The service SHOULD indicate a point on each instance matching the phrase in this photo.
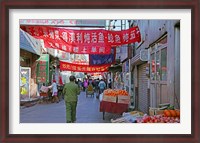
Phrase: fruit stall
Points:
(117, 101)
(159, 115)
(169, 116)
(114, 101)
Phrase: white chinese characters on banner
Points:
(84, 39)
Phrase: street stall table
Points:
(114, 101)
(111, 107)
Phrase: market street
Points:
(87, 112)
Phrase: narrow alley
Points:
(87, 112)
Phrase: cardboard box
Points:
(123, 99)
(152, 111)
(109, 98)
(159, 112)
(155, 111)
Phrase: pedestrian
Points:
(71, 92)
(97, 85)
(54, 88)
(79, 83)
(110, 83)
(85, 84)
(102, 86)
(90, 81)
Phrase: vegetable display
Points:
(168, 116)
(158, 119)
(172, 113)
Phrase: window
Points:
(158, 69)
(157, 66)
(164, 64)
(152, 69)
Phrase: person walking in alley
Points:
(71, 92)
(54, 88)
(110, 83)
(102, 86)
(85, 84)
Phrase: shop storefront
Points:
(29, 53)
(158, 72)
(143, 95)
(155, 66)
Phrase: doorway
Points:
(158, 73)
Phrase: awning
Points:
(26, 45)
(115, 68)
(136, 60)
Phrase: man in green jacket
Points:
(71, 92)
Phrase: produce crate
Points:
(123, 99)
(110, 98)
(155, 111)
(159, 112)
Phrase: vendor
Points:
(54, 91)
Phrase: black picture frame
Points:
(6, 5)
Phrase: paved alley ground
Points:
(87, 112)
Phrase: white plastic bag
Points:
(101, 97)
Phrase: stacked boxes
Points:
(123, 99)
(110, 98)
(116, 96)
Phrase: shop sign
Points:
(82, 59)
(97, 41)
(103, 59)
(63, 55)
(51, 51)
(43, 69)
(66, 66)
(73, 58)
(144, 55)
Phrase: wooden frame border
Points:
(89, 4)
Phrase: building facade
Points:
(155, 65)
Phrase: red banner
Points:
(97, 41)
(65, 66)
(78, 49)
